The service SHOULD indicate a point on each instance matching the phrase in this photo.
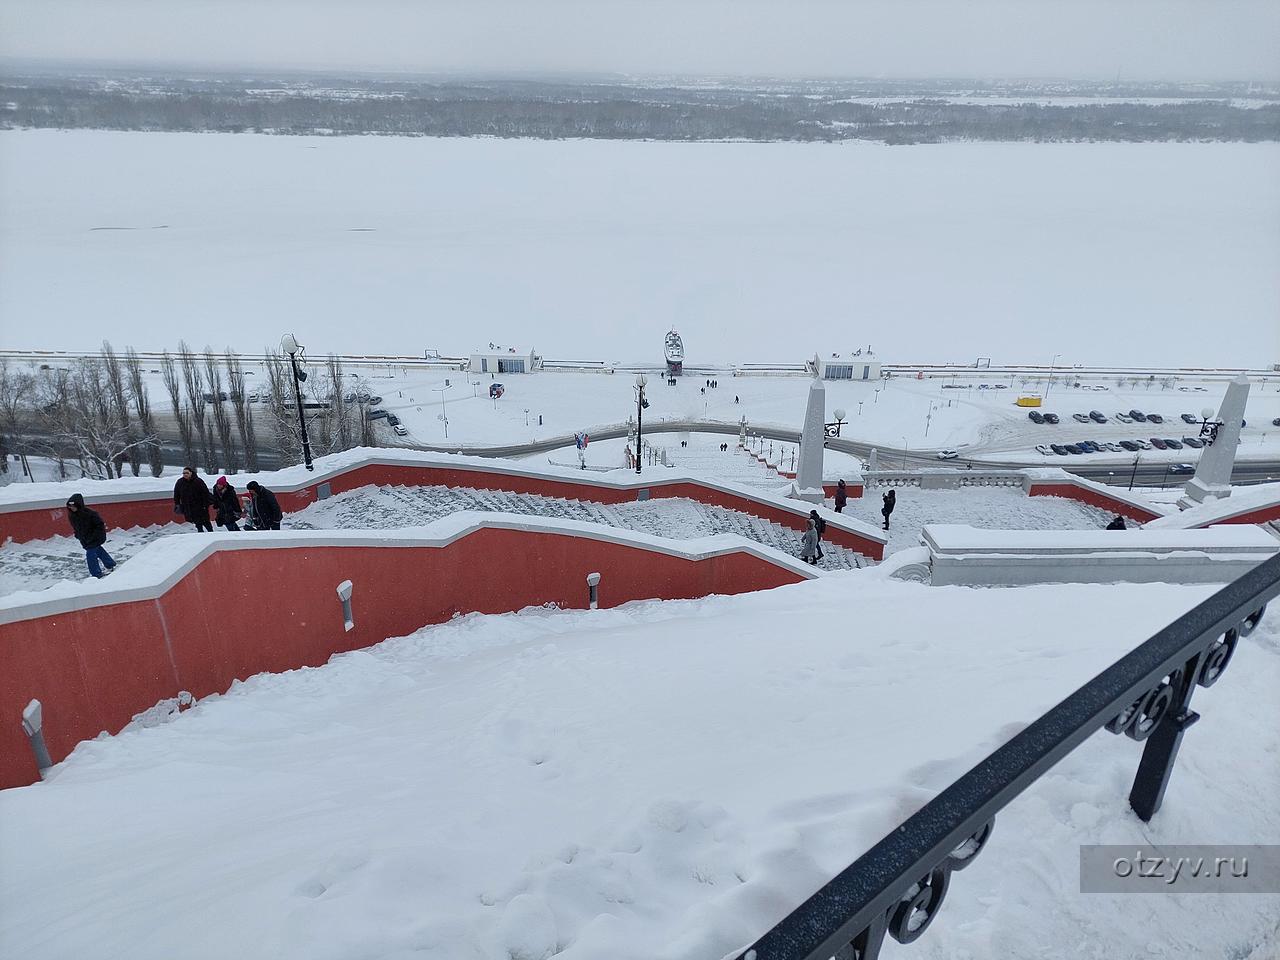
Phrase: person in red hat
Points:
(227, 504)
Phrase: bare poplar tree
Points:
(116, 382)
(17, 392)
(181, 416)
(195, 404)
(243, 412)
(221, 418)
(283, 412)
(81, 416)
(142, 410)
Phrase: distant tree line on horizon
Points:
(615, 111)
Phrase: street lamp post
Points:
(444, 412)
(1048, 386)
(289, 344)
(905, 447)
(840, 415)
(641, 403)
(1133, 476)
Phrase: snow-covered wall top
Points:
(1254, 504)
(1100, 494)
(961, 538)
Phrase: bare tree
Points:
(80, 416)
(116, 383)
(283, 412)
(142, 410)
(17, 393)
(181, 416)
(240, 405)
(221, 419)
(195, 403)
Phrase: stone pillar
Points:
(808, 482)
(742, 431)
(1213, 473)
(873, 461)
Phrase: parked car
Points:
(400, 431)
(1059, 449)
(1182, 468)
(1193, 442)
(1192, 418)
(1035, 416)
(1097, 417)
(1159, 444)
(1113, 447)
(376, 414)
(1142, 445)
(947, 454)
(1043, 449)
(1130, 445)
(1124, 418)
(349, 398)
(1172, 444)
(1138, 415)
(393, 420)
(1079, 418)
(1002, 386)
(374, 401)
(1155, 418)
(1051, 418)
(1072, 448)
(1276, 422)
(254, 398)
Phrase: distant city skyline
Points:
(819, 39)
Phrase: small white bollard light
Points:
(344, 594)
(33, 727)
(593, 594)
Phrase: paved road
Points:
(1118, 473)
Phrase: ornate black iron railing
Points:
(897, 887)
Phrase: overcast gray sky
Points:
(1142, 39)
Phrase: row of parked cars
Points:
(1097, 416)
(1133, 446)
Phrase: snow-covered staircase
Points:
(675, 518)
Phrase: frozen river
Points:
(593, 249)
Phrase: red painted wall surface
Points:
(1092, 497)
(1261, 515)
(94, 669)
(150, 509)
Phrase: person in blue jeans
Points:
(91, 531)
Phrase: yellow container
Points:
(1029, 401)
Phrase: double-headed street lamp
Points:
(1048, 386)
(290, 345)
(641, 404)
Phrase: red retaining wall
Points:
(1094, 498)
(94, 669)
(146, 509)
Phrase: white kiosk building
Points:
(500, 359)
(860, 365)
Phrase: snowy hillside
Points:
(663, 780)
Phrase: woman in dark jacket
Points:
(90, 530)
(842, 496)
(191, 499)
(226, 505)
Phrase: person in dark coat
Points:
(821, 526)
(842, 496)
(890, 501)
(266, 506)
(91, 531)
(226, 505)
(1117, 523)
(191, 499)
